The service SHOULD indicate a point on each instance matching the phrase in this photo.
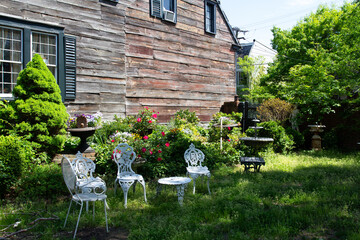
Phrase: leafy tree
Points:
(37, 113)
(254, 69)
(318, 62)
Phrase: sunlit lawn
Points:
(308, 195)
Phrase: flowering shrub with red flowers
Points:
(160, 148)
(145, 122)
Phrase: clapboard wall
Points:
(127, 59)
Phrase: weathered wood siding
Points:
(177, 66)
(127, 59)
(100, 35)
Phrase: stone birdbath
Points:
(316, 139)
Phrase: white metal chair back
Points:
(193, 156)
(124, 156)
(69, 175)
(83, 167)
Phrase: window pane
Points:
(46, 47)
(10, 58)
(169, 5)
(35, 38)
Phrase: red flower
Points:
(150, 152)
(159, 159)
(146, 137)
(154, 115)
(167, 144)
(146, 108)
(139, 156)
(112, 140)
(229, 128)
(229, 140)
(150, 121)
(139, 119)
(162, 133)
(159, 151)
(143, 150)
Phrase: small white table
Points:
(179, 182)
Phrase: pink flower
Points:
(139, 119)
(150, 121)
(159, 151)
(146, 108)
(154, 115)
(229, 128)
(159, 159)
(143, 150)
(150, 152)
(146, 137)
(162, 133)
(112, 140)
(167, 144)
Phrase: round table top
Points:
(174, 180)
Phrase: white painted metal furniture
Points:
(77, 196)
(179, 182)
(84, 169)
(194, 158)
(124, 156)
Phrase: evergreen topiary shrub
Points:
(38, 111)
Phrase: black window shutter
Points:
(70, 67)
(156, 8)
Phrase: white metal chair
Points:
(84, 169)
(77, 196)
(124, 156)
(194, 158)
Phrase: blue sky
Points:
(259, 16)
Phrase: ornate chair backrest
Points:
(83, 167)
(193, 156)
(124, 156)
(69, 175)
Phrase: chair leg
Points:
(77, 224)
(194, 180)
(125, 187)
(208, 184)
(67, 213)
(142, 182)
(105, 204)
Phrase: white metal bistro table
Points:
(179, 182)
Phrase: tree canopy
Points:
(318, 62)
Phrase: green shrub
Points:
(38, 113)
(298, 137)
(283, 142)
(42, 182)
(13, 158)
(182, 117)
(274, 109)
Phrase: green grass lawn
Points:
(307, 195)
